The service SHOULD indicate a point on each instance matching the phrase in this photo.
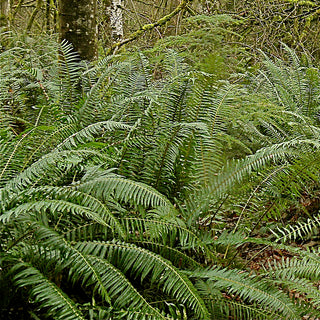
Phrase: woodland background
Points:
(171, 173)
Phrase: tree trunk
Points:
(116, 20)
(78, 26)
(4, 13)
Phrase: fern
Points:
(47, 293)
(143, 263)
(249, 288)
(125, 193)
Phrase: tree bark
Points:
(78, 25)
(116, 20)
(4, 13)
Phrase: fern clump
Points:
(117, 208)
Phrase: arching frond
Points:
(251, 289)
(46, 293)
(125, 190)
(88, 134)
(144, 263)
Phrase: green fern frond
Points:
(251, 289)
(88, 134)
(48, 294)
(222, 306)
(54, 164)
(298, 231)
(178, 258)
(121, 291)
(125, 190)
(307, 267)
(66, 201)
(143, 263)
(167, 233)
(66, 77)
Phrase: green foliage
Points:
(200, 44)
(114, 199)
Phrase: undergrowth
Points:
(127, 193)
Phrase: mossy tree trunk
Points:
(78, 25)
(4, 13)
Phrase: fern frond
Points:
(178, 258)
(166, 232)
(48, 294)
(66, 78)
(298, 231)
(143, 263)
(222, 306)
(53, 164)
(88, 134)
(125, 190)
(250, 289)
(122, 292)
